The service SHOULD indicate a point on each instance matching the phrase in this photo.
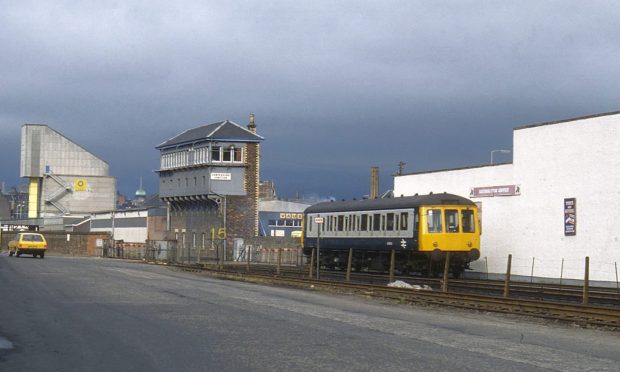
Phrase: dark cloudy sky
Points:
(336, 86)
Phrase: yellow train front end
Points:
(450, 228)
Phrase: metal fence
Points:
(254, 250)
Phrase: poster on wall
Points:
(570, 216)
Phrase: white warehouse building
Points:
(557, 203)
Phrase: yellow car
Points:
(29, 243)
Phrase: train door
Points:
(432, 234)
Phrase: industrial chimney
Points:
(374, 182)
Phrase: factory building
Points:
(556, 203)
(209, 178)
(281, 218)
(66, 182)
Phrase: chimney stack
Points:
(252, 125)
(374, 182)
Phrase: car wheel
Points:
(18, 253)
(11, 253)
(42, 254)
(34, 255)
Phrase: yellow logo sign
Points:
(80, 185)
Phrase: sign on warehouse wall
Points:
(570, 216)
(80, 185)
(487, 191)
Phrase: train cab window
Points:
(433, 219)
(389, 222)
(452, 220)
(364, 222)
(403, 221)
(467, 218)
(376, 222)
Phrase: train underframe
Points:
(405, 262)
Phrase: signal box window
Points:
(238, 158)
(215, 154)
(228, 154)
(433, 218)
(467, 216)
(452, 220)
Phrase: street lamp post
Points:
(500, 151)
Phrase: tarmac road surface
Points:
(88, 314)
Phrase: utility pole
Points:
(401, 166)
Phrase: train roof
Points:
(402, 202)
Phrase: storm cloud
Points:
(336, 87)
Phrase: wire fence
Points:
(268, 250)
(561, 271)
(253, 250)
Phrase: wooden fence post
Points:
(507, 280)
(586, 282)
(446, 268)
(348, 278)
(311, 266)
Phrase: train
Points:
(420, 229)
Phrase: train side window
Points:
(364, 222)
(403, 220)
(389, 222)
(376, 221)
(433, 219)
(340, 223)
(467, 218)
(452, 220)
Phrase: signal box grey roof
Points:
(221, 131)
(389, 203)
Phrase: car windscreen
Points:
(32, 238)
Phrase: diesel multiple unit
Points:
(420, 229)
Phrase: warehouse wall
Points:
(574, 159)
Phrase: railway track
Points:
(582, 315)
(603, 296)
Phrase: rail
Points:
(580, 314)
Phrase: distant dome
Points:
(140, 192)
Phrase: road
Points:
(88, 314)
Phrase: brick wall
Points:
(79, 244)
(242, 211)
